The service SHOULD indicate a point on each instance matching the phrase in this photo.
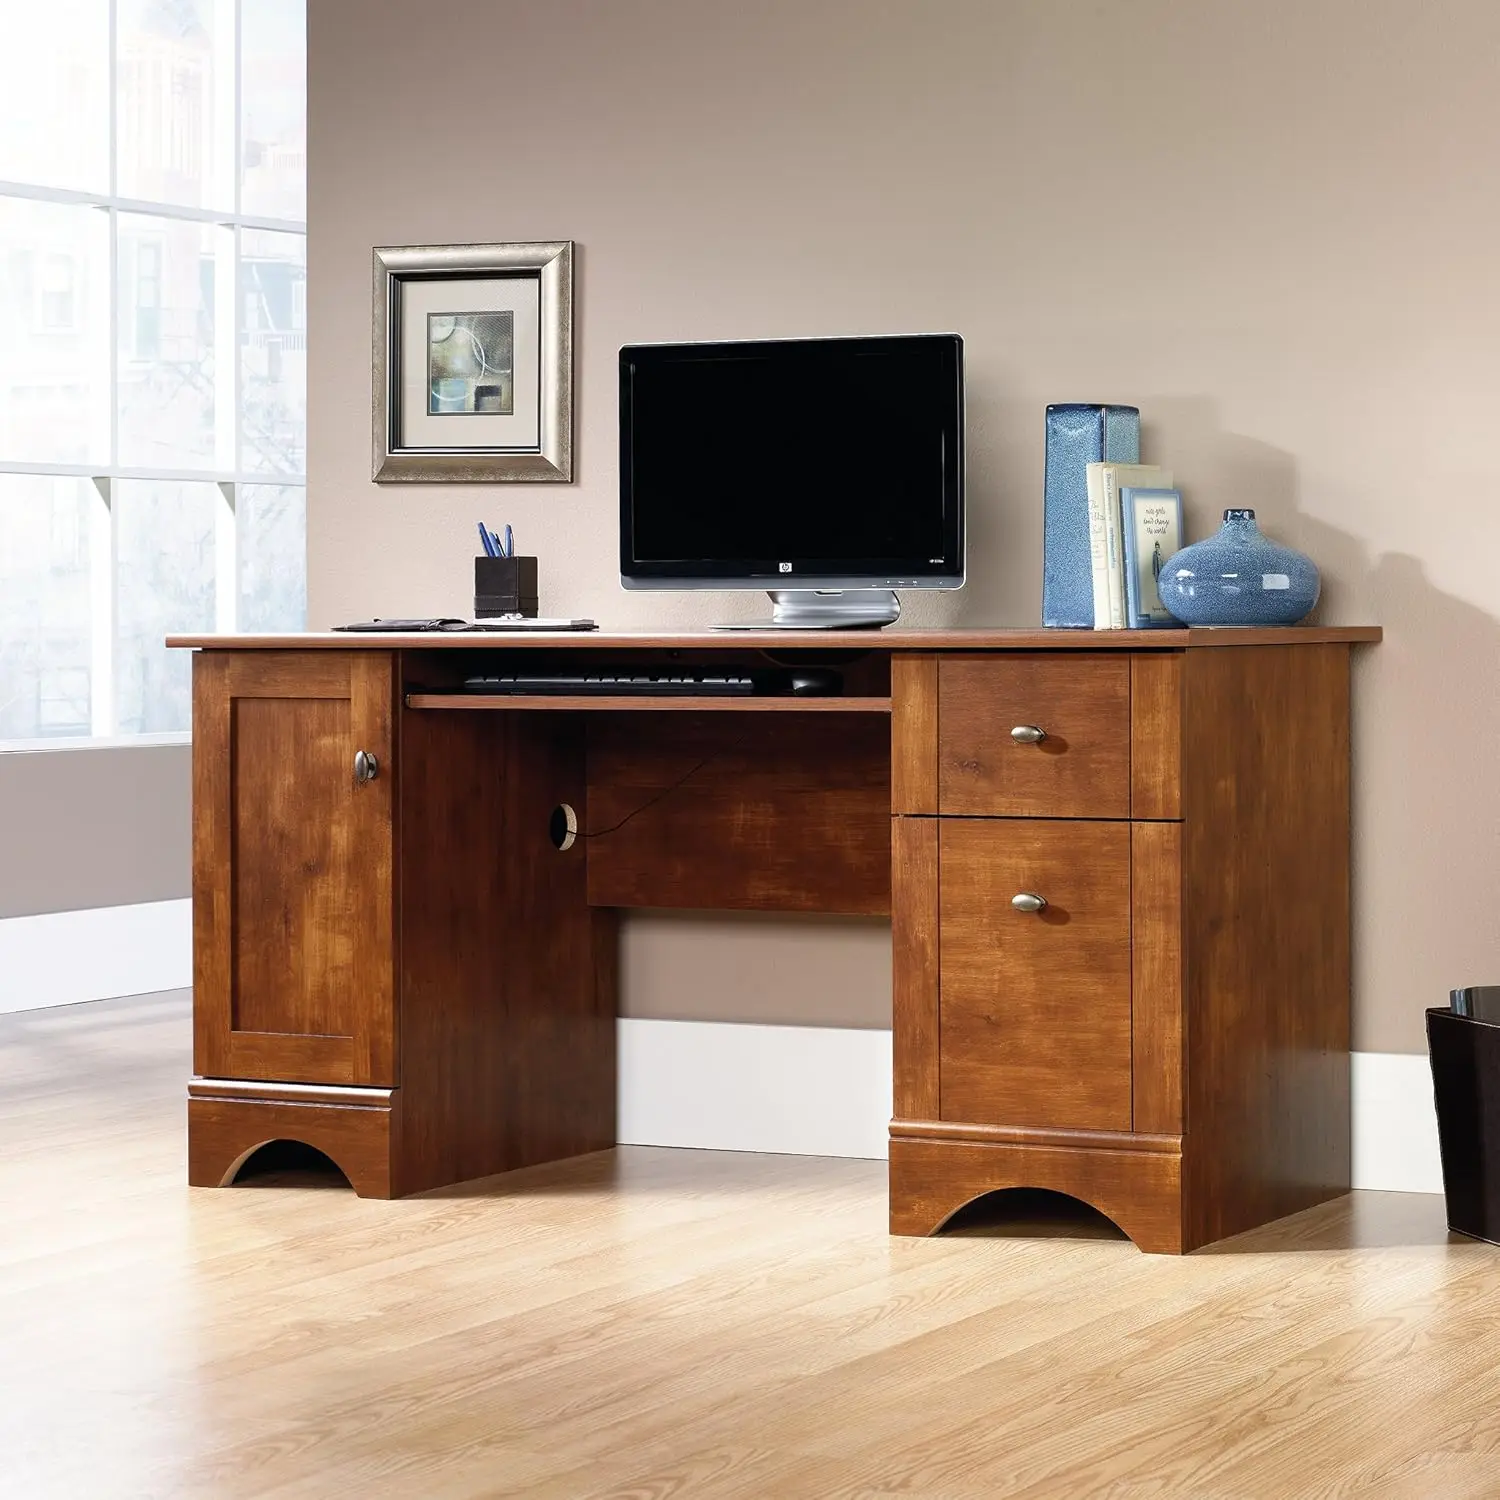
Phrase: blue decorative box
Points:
(1077, 436)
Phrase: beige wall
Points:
(94, 826)
(778, 969)
(1271, 224)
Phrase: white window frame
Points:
(229, 331)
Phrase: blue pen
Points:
(484, 537)
(510, 542)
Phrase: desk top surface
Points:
(890, 639)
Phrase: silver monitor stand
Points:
(826, 609)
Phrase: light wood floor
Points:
(653, 1324)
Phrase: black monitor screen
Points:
(837, 456)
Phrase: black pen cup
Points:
(505, 586)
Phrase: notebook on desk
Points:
(447, 623)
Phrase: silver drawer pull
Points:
(1028, 734)
(366, 767)
(1028, 901)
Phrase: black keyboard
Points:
(661, 682)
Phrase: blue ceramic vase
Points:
(1238, 577)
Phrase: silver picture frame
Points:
(398, 270)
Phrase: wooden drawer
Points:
(1035, 1007)
(1081, 703)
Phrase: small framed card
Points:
(1153, 532)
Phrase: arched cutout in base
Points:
(284, 1162)
(223, 1142)
(1139, 1188)
(1032, 1214)
(226, 1130)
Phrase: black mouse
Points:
(816, 682)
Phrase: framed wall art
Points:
(473, 362)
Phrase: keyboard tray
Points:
(660, 682)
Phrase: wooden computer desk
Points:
(395, 964)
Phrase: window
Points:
(148, 300)
(58, 294)
(153, 350)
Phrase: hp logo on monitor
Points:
(785, 567)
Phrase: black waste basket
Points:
(1466, 1086)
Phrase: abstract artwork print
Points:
(471, 362)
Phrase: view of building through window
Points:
(153, 349)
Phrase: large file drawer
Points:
(1035, 1019)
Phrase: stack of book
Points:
(1135, 525)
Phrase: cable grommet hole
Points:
(562, 826)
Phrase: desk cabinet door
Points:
(293, 908)
(1035, 1020)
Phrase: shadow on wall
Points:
(1426, 731)
(1003, 437)
(1217, 470)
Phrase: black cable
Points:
(666, 791)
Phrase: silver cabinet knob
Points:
(1028, 901)
(1028, 734)
(366, 766)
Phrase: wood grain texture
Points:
(931, 638)
(223, 1133)
(560, 703)
(1156, 987)
(1266, 919)
(1140, 1191)
(286, 674)
(296, 867)
(293, 867)
(914, 966)
(1156, 735)
(1081, 769)
(287, 1057)
(1035, 1008)
(1024, 1135)
(289, 1093)
(719, 813)
(914, 733)
(374, 684)
(692, 1324)
(507, 1017)
(213, 867)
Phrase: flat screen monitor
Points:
(794, 465)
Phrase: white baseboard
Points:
(797, 1090)
(816, 1091)
(1395, 1123)
(793, 1090)
(67, 957)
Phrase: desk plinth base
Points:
(934, 1175)
(358, 1130)
(1166, 1195)
(364, 1132)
